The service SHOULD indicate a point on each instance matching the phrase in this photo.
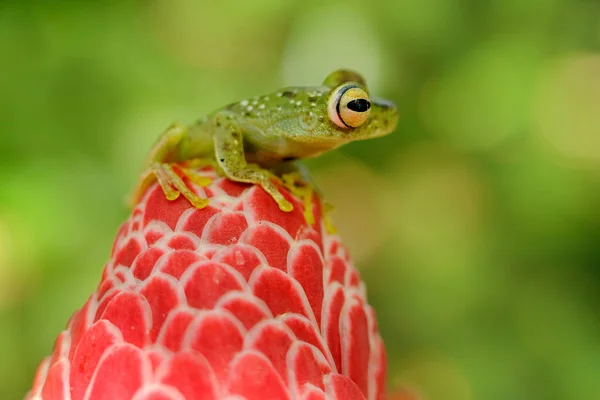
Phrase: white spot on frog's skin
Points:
(261, 106)
(249, 108)
(298, 103)
(266, 98)
(313, 104)
(279, 94)
(292, 101)
(254, 102)
(244, 103)
(308, 121)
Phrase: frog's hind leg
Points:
(164, 151)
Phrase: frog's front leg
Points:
(160, 168)
(229, 131)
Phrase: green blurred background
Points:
(476, 225)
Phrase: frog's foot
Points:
(258, 176)
(171, 183)
(297, 184)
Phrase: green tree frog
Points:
(247, 140)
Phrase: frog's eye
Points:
(349, 106)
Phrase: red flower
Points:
(238, 300)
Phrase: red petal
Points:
(155, 231)
(306, 266)
(57, 382)
(337, 270)
(206, 282)
(305, 331)
(355, 343)
(225, 228)
(311, 234)
(307, 365)
(253, 377)
(177, 262)
(157, 355)
(107, 284)
(92, 346)
(246, 308)
(62, 345)
(191, 375)
(121, 234)
(163, 294)
(234, 189)
(379, 371)
(272, 339)
(79, 323)
(126, 254)
(180, 241)
(158, 392)
(161, 209)
(130, 313)
(242, 257)
(40, 378)
(104, 302)
(174, 329)
(340, 387)
(332, 308)
(281, 293)
(195, 220)
(312, 393)
(261, 207)
(272, 241)
(352, 278)
(122, 274)
(217, 336)
(120, 373)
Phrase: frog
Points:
(253, 140)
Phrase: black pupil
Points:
(359, 105)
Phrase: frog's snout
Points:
(385, 117)
(387, 109)
(385, 105)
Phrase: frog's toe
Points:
(197, 201)
(172, 185)
(285, 205)
(197, 178)
(272, 190)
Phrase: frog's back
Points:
(268, 110)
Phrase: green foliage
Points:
(481, 211)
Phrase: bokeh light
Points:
(565, 112)
(476, 225)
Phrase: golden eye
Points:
(349, 106)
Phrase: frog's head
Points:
(337, 112)
(352, 112)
